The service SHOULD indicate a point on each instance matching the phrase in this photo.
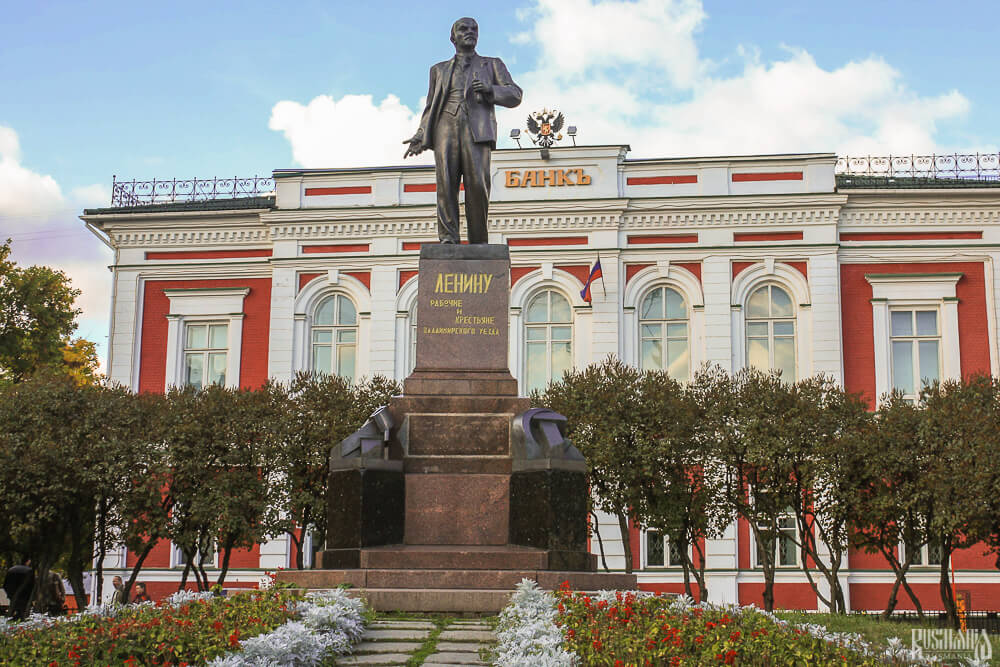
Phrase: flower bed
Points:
(635, 629)
(186, 629)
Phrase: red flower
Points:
(235, 637)
(734, 636)
(217, 626)
(597, 645)
(730, 656)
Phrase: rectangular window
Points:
(786, 550)
(205, 353)
(915, 345)
(661, 552)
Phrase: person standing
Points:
(119, 597)
(459, 124)
(140, 593)
(18, 584)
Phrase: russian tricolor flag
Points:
(595, 273)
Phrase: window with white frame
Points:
(663, 333)
(929, 554)
(915, 350)
(411, 360)
(548, 339)
(786, 550)
(206, 346)
(178, 559)
(661, 551)
(335, 336)
(770, 330)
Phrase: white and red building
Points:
(774, 260)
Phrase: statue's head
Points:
(465, 33)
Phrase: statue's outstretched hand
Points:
(416, 146)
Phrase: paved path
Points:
(453, 641)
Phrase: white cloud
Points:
(349, 132)
(630, 71)
(43, 224)
(792, 104)
(22, 191)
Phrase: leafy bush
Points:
(329, 623)
(636, 629)
(180, 630)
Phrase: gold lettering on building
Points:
(539, 178)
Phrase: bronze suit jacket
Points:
(482, 120)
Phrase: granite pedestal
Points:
(456, 513)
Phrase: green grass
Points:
(875, 631)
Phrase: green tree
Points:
(960, 425)
(325, 409)
(894, 503)
(744, 418)
(37, 317)
(80, 362)
(827, 456)
(684, 500)
(603, 404)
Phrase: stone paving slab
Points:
(396, 634)
(387, 647)
(445, 658)
(466, 635)
(402, 625)
(462, 647)
(374, 659)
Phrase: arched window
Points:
(548, 339)
(663, 333)
(335, 336)
(411, 329)
(770, 321)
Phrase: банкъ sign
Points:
(537, 178)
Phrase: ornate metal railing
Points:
(969, 166)
(141, 193)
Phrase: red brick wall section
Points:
(208, 254)
(801, 267)
(859, 346)
(156, 306)
(579, 271)
(908, 236)
(158, 557)
(745, 237)
(364, 276)
(786, 595)
(336, 247)
(632, 269)
(874, 596)
(404, 276)
(546, 241)
(518, 272)
(740, 266)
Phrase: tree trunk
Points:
(184, 576)
(102, 551)
(947, 594)
(699, 574)
(297, 545)
(135, 570)
(626, 541)
(600, 542)
(225, 566)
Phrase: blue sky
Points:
(185, 89)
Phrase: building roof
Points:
(231, 203)
(909, 182)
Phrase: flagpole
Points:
(603, 291)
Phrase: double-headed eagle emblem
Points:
(544, 127)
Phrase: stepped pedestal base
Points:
(454, 579)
